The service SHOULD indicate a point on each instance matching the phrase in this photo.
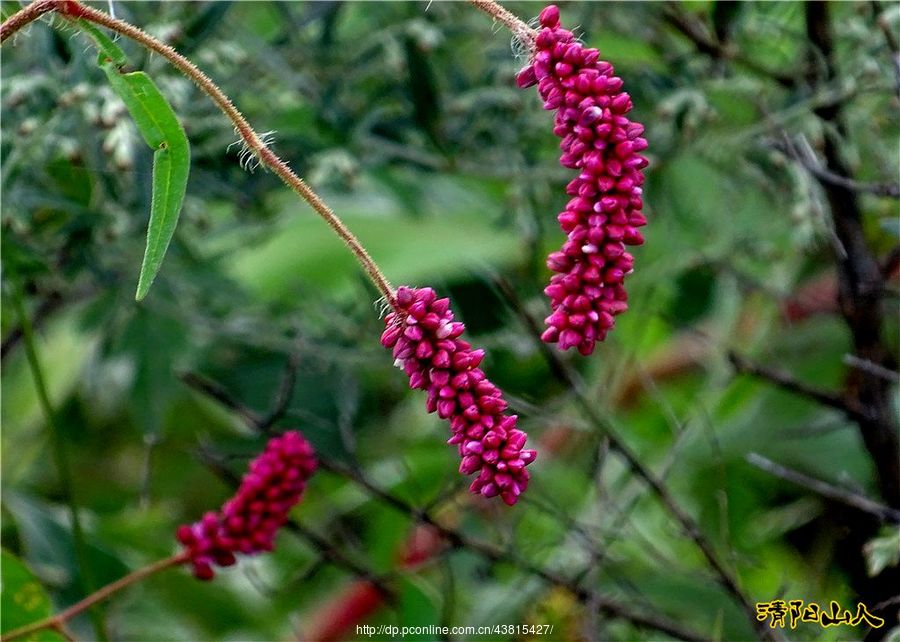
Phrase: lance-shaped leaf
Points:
(160, 128)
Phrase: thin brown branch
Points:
(26, 16)
(887, 374)
(509, 20)
(860, 281)
(803, 155)
(57, 621)
(495, 554)
(890, 38)
(51, 303)
(283, 396)
(823, 488)
(694, 30)
(216, 391)
(788, 382)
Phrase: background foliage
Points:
(405, 118)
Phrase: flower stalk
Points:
(58, 621)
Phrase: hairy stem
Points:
(57, 621)
(509, 20)
(60, 456)
(251, 138)
(26, 16)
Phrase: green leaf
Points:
(23, 599)
(109, 50)
(882, 552)
(158, 124)
(48, 547)
(416, 608)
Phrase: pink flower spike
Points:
(249, 521)
(599, 141)
(438, 360)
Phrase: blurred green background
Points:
(405, 117)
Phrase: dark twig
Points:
(860, 282)
(787, 382)
(872, 368)
(50, 304)
(803, 155)
(45, 308)
(725, 576)
(216, 391)
(891, 39)
(823, 488)
(695, 31)
(283, 396)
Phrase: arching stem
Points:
(57, 621)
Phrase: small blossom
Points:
(604, 214)
(248, 522)
(427, 344)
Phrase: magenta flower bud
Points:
(549, 16)
(590, 116)
(470, 464)
(526, 77)
(445, 408)
(390, 335)
(563, 69)
(633, 237)
(248, 522)
(438, 360)
(545, 40)
(621, 103)
(490, 490)
(404, 296)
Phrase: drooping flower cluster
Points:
(426, 343)
(604, 213)
(249, 520)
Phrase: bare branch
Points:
(283, 396)
(216, 391)
(891, 39)
(823, 488)
(860, 281)
(804, 155)
(787, 382)
(694, 30)
(872, 368)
